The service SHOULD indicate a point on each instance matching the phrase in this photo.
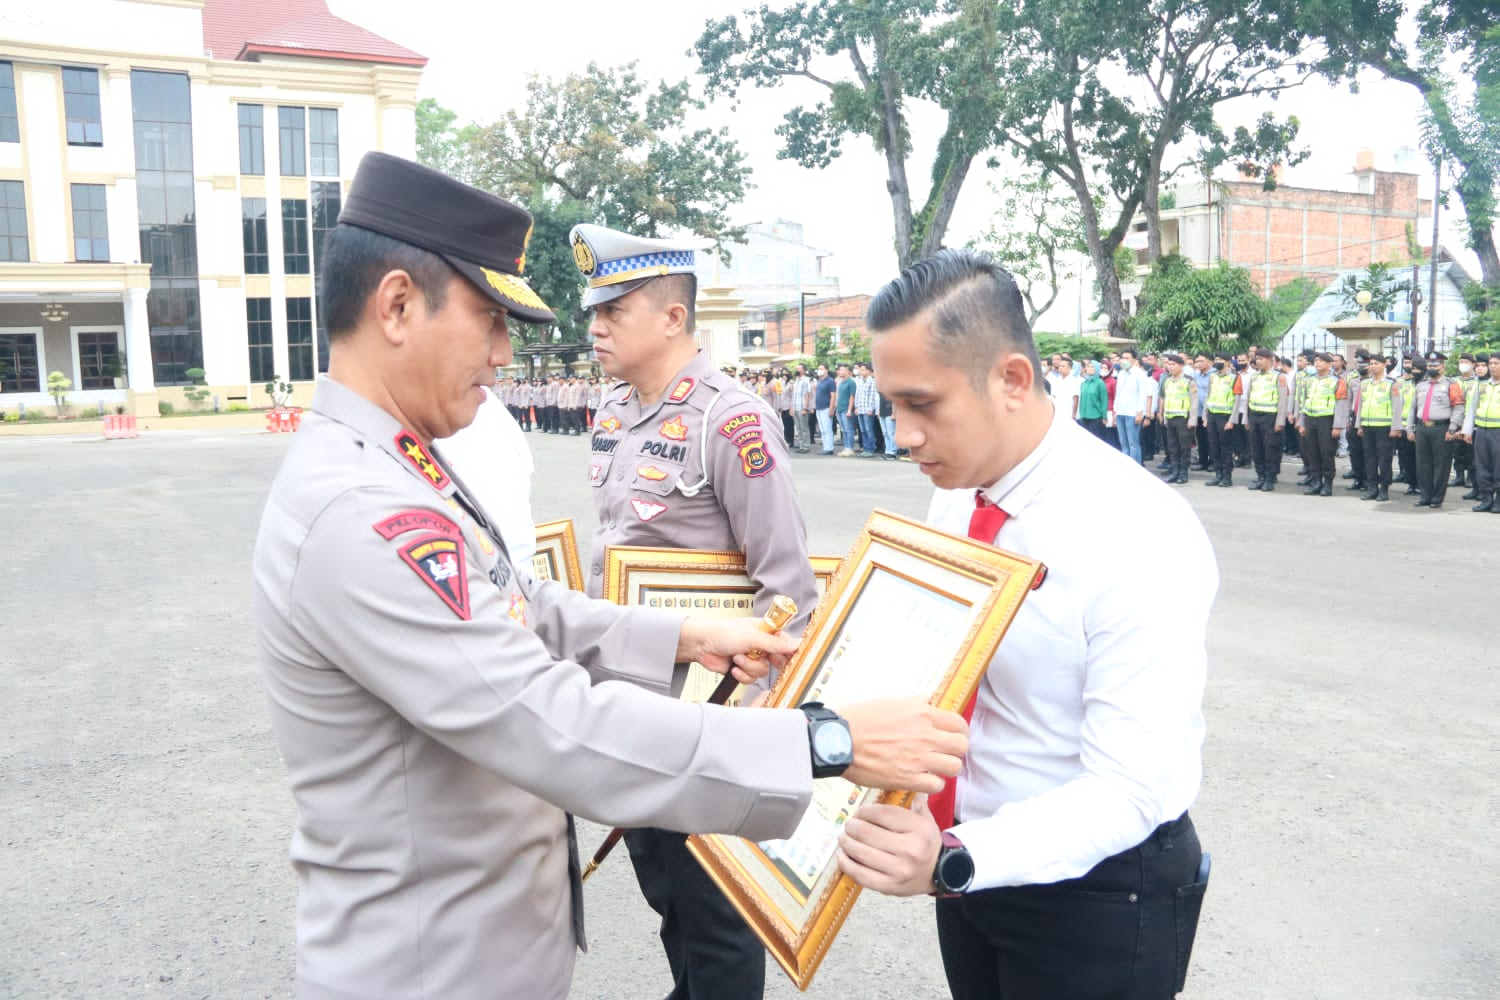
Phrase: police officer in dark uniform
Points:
(683, 456)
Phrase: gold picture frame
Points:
(913, 611)
(556, 555)
(698, 582)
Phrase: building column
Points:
(138, 368)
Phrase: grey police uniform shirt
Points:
(437, 715)
(1442, 410)
(705, 467)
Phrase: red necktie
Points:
(984, 525)
(1427, 406)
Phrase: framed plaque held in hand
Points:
(913, 612)
(696, 582)
(556, 555)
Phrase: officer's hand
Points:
(1468, 438)
(890, 849)
(1411, 435)
(1359, 432)
(720, 644)
(1229, 425)
(904, 744)
(1278, 428)
(1395, 434)
(1336, 433)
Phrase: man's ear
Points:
(677, 318)
(391, 305)
(1012, 377)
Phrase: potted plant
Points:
(280, 391)
(197, 392)
(115, 370)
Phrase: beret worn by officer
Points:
(617, 263)
(482, 237)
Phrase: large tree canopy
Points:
(600, 146)
(1190, 309)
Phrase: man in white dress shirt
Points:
(1072, 869)
(492, 458)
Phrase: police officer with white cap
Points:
(684, 457)
(436, 711)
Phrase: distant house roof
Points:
(1329, 306)
(241, 30)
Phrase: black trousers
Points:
(1356, 457)
(1200, 435)
(1220, 448)
(1434, 460)
(1319, 449)
(1095, 426)
(1290, 440)
(1406, 455)
(1123, 931)
(712, 951)
(1463, 458)
(1379, 446)
(1487, 458)
(1239, 439)
(1265, 444)
(1179, 442)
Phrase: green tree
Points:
(1286, 304)
(58, 385)
(1385, 286)
(439, 144)
(1104, 96)
(1077, 348)
(843, 348)
(869, 61)
(1482, 332)
(1462, 126)
(1035, 234)
(603, 146)
(1188, 309)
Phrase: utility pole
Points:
(1437, 194)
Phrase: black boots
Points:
(1384, 494)
(1489, 505)
(1327, 490)
(1259, 482)
(1314, 487)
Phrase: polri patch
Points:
(421, 459)
(646, 510)
(682, 390)
(674, 429)
(415, 520)
(439, 561)
(738, 423)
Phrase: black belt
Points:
(1168, 830)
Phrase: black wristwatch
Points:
(954, 871)
(829, 740)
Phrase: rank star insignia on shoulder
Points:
(421, 459)
(682, 390)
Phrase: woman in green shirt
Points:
(1093, 401)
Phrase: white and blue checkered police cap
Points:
(616, 263)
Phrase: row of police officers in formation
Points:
(1385, 409)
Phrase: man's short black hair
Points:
(1130, 351)
(355, 261)
(679, 288)
(973, 306)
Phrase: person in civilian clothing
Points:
(1202, 370)
(1093, 401)
(1135, 400)
(844, 408)
(866, 406)
(1087, 732)
(825, 392)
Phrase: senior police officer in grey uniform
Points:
(436, 712)
(683, 456)
(1434, 418)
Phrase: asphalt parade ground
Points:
(1351, 796)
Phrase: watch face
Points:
(832, 743)
(955, 870)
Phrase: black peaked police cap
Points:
(482, 237)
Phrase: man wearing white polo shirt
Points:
(1070, 868)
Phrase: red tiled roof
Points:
(243, 29)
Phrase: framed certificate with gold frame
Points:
(913, 612)
(556, 555)
(698, 582)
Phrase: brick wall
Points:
(781, 329)
(1290, 232)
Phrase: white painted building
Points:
(167, 169)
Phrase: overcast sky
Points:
(481, 55)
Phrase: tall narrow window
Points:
(10, 123)
(162, 108)
(90, 223)
(293, 136)
(81, 105)
(98, 354)
(294, 256)
(13, 242)
(258, 323)
(252, 139)
(253, 221)
(299, 339)
(323, 142)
